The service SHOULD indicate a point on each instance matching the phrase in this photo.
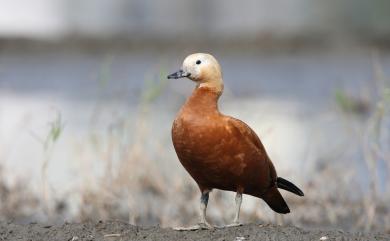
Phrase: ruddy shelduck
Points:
(219, 151)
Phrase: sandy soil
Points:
(116, 230)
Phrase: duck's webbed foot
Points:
(234, 224)
(203, 224)
(199, 226)
(237, 216)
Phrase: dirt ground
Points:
(116, 230)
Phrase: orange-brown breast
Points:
(219, 151)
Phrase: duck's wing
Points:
(250, 136)
(247, 132)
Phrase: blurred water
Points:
(289, 99)
(301, 76)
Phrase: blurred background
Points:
(86, 110)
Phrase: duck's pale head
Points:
(202, 68)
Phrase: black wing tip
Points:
(280, 209)
(284, 211)
(288, 186)
(275, 201)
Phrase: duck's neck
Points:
(204, 99)
(216, 85)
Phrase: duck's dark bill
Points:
(179, 74)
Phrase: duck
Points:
(219, 151)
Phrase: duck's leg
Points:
(204, 200)
(238, 207)
(203, 224)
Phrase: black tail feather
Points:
(288, 186)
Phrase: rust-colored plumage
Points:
(219, 151)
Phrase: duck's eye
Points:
(198, 62)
